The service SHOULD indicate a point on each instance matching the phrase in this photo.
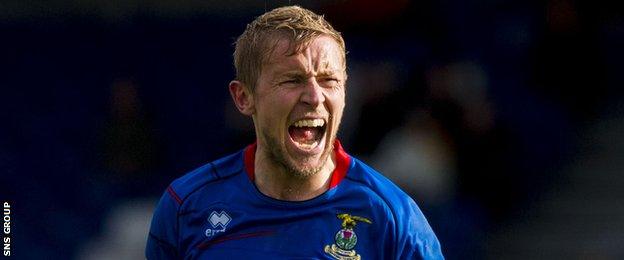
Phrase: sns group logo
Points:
(218, 221)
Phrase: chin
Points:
(295, 161)
(305, 169)
(306, 166)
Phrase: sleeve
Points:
(163, 235)
(416, 239)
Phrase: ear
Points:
(243, 99)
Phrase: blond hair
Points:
(298, 25)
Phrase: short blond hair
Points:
(298, 25)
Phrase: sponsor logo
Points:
(346, 239)
(218, 221)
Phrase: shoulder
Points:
(401, 206)
(212, 172)
(395, 198)
(413, 234)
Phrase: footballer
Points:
(295, 193)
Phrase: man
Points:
(295, 193)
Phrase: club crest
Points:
(346, 239)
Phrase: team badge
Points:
(345, 239)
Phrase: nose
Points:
(313, 93)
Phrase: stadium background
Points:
(503, 119)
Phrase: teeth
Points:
(307, 146)
(310, 123)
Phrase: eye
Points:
(330, 82)
(291, 81)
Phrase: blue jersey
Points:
(216, 212)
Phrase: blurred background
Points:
(503, 119)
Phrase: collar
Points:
(343, 160)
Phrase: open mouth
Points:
(307, 133)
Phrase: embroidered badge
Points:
(345, 239)
(218, 221)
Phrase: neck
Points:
(273, 180)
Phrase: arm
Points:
(416, 239)
(163, 235)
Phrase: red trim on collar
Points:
(343, 160)
(250, 160)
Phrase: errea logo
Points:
(218, 221)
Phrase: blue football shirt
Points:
(216, 212)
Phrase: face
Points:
(298, 104)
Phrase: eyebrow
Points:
(297, 73)
(292, 74)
